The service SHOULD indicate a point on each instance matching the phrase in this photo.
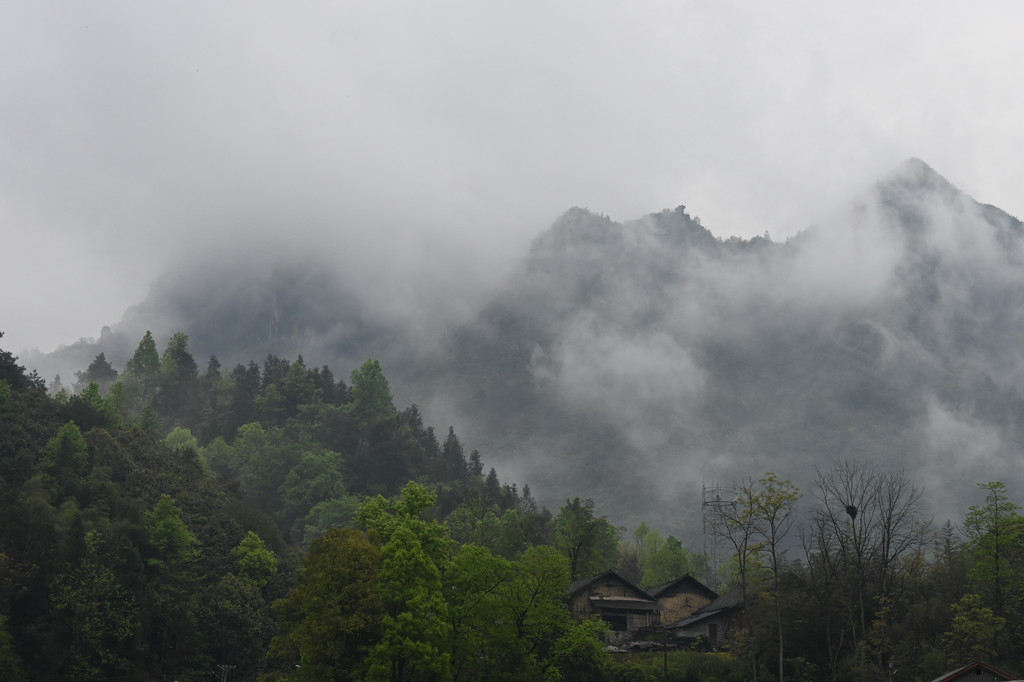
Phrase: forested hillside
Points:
(276, 522)
(154, 514)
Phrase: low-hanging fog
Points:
(646, 358)
(412, 143)
(348, 180)
(634, 362)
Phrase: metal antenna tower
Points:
(716, 505)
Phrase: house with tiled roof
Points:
(713, 622)
(681, 597)
(620, 603)
(976, 671)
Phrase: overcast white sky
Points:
(134, 135)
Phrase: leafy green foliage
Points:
(102, 617)
(66, 461)
(99, 372)
(974, 631)
(415, 628)
(371, 394)
(181, 439)
(589, 542)
(332, 618)
(159, 497)
(175, 545)
(995, 531)
(256, 563)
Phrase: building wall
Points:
(712, 630)
(607, 587)
(581, 607)
(680, 605)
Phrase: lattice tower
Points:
(717, 502)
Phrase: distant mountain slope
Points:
(242, 310)
(635, 361)
(630, 362)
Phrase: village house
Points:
(681, 597)
(624, 606)
(711, 623)
(976, 671)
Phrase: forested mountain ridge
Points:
(158, 510)
(273, 522)
(652, 355)
(151, 524)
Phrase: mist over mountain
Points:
(245, 305)
(633, 361)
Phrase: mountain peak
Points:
(916, 176)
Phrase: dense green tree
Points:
(271, 407)
(214, 410)
(453, 459)
(504, 534)
(177, 397)
(381, 462)
(589, 542)
(145, 362)
(274, 371)
(415, 628)
(371, 394)
(536, 604)
(579, 653)
(297, 387)
(219, 455)
(994, 530)
(175, 545)
(172, 601)
(336, 512)
(13, 374)
(238, 625)
(99, 372)
(102, 618)
(476, 465)
(263, 457)
(315, 480)
(66, 462)
(256, 563)
(331, 619)
(181, 439)
(408, 511)
(331, 392)
(669, 559)
(415, 554)
(246, 388)
(191, 565)
(476, 585)
(974, 631)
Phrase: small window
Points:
(618, 622)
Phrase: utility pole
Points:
(225, 671)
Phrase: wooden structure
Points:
(712, 623)
(615, 600)
(681, 597)
(976, 671)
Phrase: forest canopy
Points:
(274, 521)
